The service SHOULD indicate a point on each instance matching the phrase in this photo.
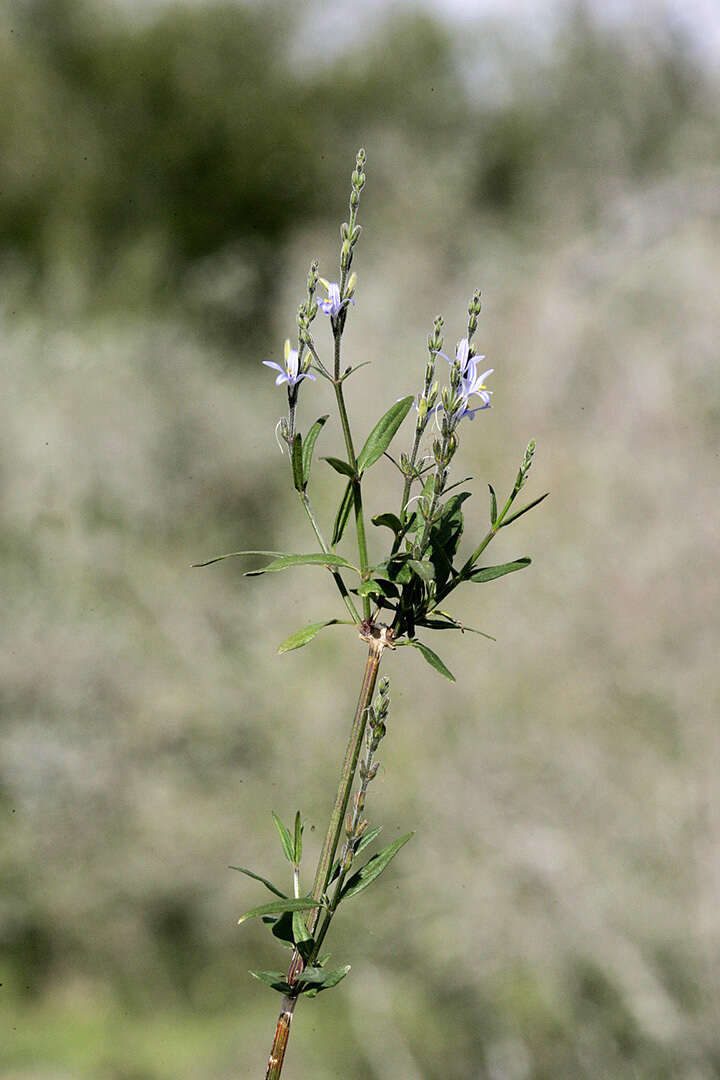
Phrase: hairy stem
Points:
(377, 640)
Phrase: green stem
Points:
(347, 775)
(342, 588)
(352, 461)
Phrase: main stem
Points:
(377, 640)
(352, 461)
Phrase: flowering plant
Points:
(389, 601)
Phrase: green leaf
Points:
(371, 588)
(285, 839)
(452, 624)
(390, 521)
(302, 637)
(296, 457)
(268, 884)
(320, 979)
(317, 558)
(309, 446)
(367, 838)
(340, 466)
(299, 929)
(373, 868)
(432, 658)
(423, 569)
(394, 569)
(282, 927)
(276, 979)
(277, 907)
(519, 513)
(234, 555)
(298, 837)
(383, 434)
(445, 536)
(489, 573)
(341, 518)
(493, 505)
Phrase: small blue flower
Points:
(289, 374)
(334, 305)
(463, 358)
(474, 384)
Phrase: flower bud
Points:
(350, 287)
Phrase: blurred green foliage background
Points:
(166, 175)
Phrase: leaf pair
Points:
(311, 981)
(291, 845)
(302, 452)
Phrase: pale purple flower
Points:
(334, 305)
(474, 384)
(289, 374)
(471, 384)
(463, 357)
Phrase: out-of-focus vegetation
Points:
(165, 178)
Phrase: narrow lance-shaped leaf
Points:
(432, 658)
(340, 466)
(275, 979)
(519, 513)
(320, 979)
(268, 884)
(277, 907)
(300, 930)
(383, 433)
(448, 623)
(306, 635)
(234, 555)
(316, 558)
(285, 839)
(367, 838)
(298, 838)
(341, 518)
(489, 573)
(297, 463)
(373, 868)
(309, 446)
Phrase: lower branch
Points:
(378, 638)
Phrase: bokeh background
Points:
(166, 174)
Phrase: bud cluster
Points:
(428, 398)
(306, 313)
(350, 230)
(525, 466)
(474, 309)
(356, 824)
